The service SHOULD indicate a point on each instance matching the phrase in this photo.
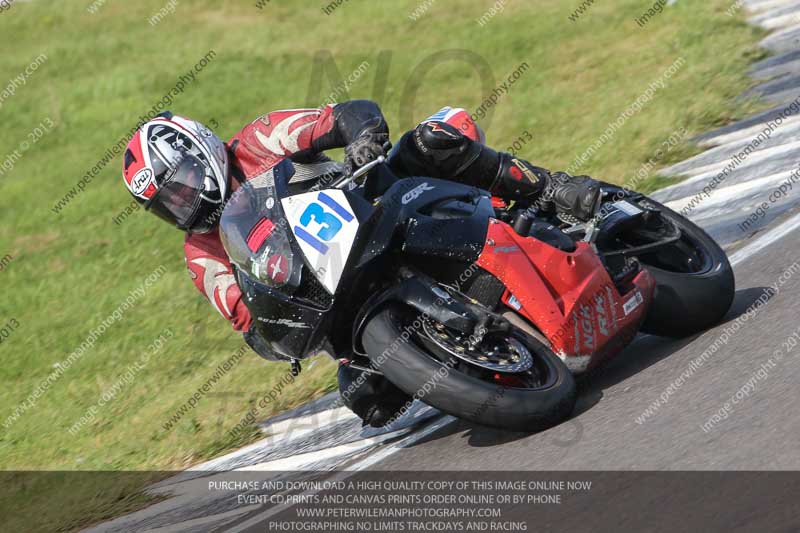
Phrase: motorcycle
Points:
(480, 309)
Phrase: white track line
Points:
(307, 461)
(726, 195)
(289, 430)
(344, 474)
(765, 240)
(199, 523)
(405, 443)
(705, 172)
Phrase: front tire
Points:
(458, 391)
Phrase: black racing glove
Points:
(357, 118)
(365, 149)
(360, 128)
(579, 196)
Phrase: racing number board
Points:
(325, 227)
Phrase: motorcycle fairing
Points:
(569, 297)
(324, 226)
(291, 318)
(288, 326)
(429, 217)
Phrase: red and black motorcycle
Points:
(481, 310)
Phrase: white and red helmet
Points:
(178, 169)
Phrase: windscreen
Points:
(256, 236)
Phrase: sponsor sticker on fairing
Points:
(627, 208)
(278, 269)
(632, 303)
(285, 322)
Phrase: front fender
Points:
(423, 294)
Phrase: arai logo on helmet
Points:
(416, 192)
(141, 181)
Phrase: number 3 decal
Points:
(330, 222)
(325, 226)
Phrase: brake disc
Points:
(507, 355)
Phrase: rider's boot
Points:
(371, 396)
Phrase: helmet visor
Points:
(178, 198)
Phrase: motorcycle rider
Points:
(181, 171)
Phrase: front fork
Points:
(431, 300)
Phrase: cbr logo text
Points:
(416, 192)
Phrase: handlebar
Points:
(360, 172)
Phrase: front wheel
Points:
(482, 383)
(694, 280)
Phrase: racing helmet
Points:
(178, 169)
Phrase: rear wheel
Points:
(694, 281)
(508, 380)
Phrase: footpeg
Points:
(296, 368)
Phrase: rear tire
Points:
(687, 303)
(410, 367)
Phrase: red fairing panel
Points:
(569, 297)
(212, 274)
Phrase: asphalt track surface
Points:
(748, 355)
